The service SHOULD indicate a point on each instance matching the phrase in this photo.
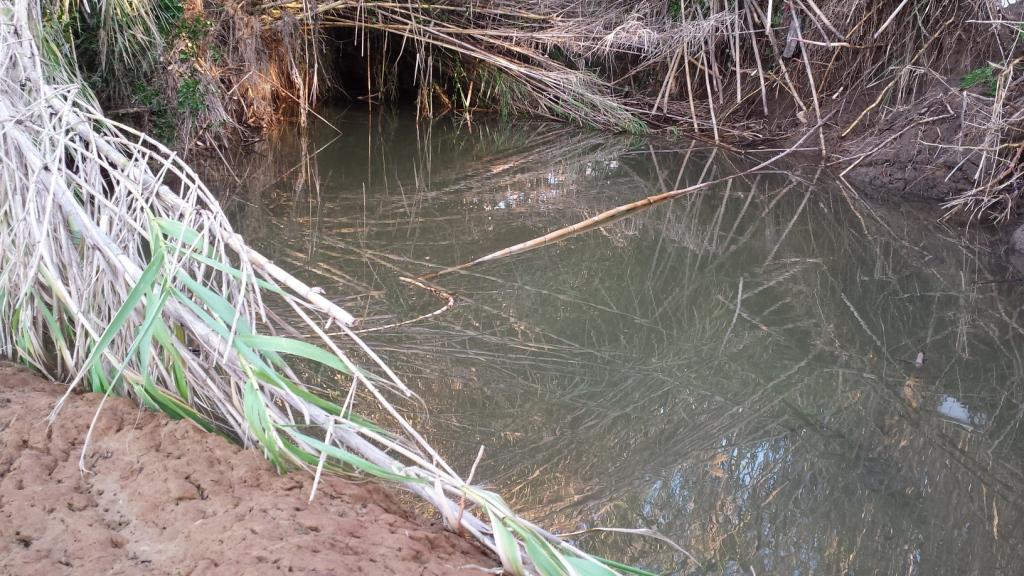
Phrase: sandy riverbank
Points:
(163, 497)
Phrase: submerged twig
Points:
(447, 297)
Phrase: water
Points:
(737, 370)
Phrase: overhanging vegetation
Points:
(935, 78)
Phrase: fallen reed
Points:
(120, 273)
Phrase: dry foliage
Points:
(732, 71)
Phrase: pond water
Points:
(775, 374)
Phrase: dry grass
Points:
(737, 72)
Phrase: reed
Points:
(121, 274)
(737, 72)
(732, 71)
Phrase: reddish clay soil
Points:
(163, 497)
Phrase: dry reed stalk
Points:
(618, 212)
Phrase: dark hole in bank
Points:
(369, 67)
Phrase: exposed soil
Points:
(905, 155)
(903, 165)
(163, 497)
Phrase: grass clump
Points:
(985, 77)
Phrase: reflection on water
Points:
(738, 370)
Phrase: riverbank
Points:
(921, 102)
(163, 497)
(907, 156)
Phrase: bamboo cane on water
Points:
(618, 212)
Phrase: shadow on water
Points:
(739, 370)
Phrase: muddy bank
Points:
(163, 497)
(908, 155)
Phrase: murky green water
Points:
(736, 369)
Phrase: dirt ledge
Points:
(163, 497)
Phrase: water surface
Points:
(739, 369)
